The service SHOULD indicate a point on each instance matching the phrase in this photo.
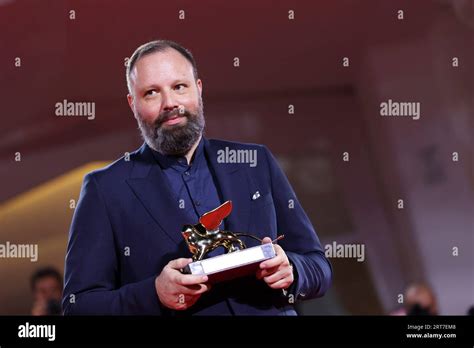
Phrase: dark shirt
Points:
(193, 186)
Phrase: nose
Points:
(168, 102)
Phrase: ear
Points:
(199, 86)
(131, 102)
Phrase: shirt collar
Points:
(180, 163)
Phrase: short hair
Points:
(158, 46)
(45, 272)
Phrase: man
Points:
(420, 300)
(125, 249)
(47, 291)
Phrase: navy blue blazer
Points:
(126, 228)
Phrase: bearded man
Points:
(125, 250)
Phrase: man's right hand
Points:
(39, 307)
(177, 290)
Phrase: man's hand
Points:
(39, 307)
(176, 290)
(276, 272)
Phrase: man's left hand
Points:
(276, 272)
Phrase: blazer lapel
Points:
(149, 183)
(234, 185)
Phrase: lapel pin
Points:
(256, 195)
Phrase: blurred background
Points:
(293, 91)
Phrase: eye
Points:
(180, 87)
(150, 92)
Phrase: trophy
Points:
(238, 260)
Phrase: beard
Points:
(177, 139)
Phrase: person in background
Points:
(47, 291)
(420, 300)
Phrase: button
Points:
(186, 173)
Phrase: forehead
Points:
(160, 68)
(47, 281)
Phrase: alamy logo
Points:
(26, 251)
(350, 251)
(246, 156)
(393, 108)
(37, 331)
(67, 108)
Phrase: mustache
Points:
(166, 115)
